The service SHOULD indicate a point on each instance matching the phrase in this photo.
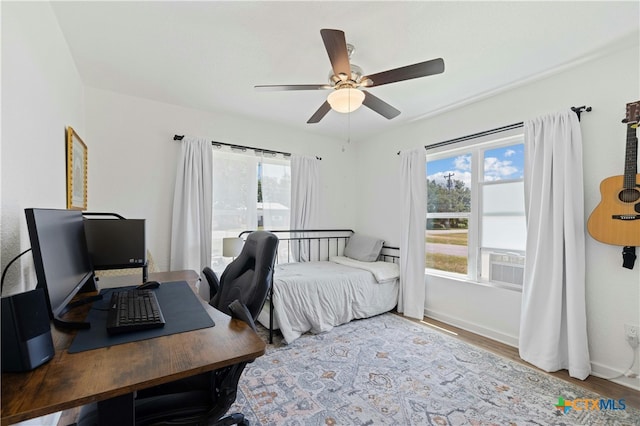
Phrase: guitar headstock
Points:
(633, 114)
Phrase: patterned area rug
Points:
(387, 370)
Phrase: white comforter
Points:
(317, 296)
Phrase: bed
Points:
(341, 276)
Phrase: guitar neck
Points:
(631, 158)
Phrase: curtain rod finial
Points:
(579, 110)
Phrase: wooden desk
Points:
(71, 380)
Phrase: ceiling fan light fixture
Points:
(345, 100)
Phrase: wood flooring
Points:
(595, 384)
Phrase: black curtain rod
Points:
(475, 135)
(242, 147)
(577, 110)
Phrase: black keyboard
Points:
(133, 310)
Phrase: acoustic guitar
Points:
(616, 220)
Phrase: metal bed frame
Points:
(320, 245)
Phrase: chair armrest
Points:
(241, 312)
(212, 279)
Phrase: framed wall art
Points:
(77, 160)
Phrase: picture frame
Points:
(77, 161)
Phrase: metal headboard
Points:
(320, 244)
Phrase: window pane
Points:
(446, 246)
(449, 184)
(503, 199)
(503, 225)
(275, 185)
(504, 232)
(448, 207)
(503, 219)
(234, 192)
(504, 163)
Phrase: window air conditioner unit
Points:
(506, 268)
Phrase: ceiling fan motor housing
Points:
(354, 79)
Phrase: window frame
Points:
(475, 148)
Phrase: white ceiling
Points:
(209, 54)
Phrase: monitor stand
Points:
(90, 285)
(63, 324)
(74, 325)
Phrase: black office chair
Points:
(206, 398)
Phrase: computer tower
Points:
(26, 331)
(116, 243)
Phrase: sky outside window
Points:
(499, 164)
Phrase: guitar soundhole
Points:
(629, 195)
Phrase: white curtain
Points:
(192, 201)
(553, 325)
(235, 189)
(276, 193)
(305, 198)
(413, 223)
(235, 197)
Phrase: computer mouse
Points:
(149, 285)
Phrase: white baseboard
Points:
(474, 328)
(606, 372)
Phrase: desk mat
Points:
(181, 308)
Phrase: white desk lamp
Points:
(231, 247)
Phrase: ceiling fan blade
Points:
(336, 46)
(320, 113)
(379, 106)
(269, 87)
(422, 69)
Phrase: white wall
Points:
(133, 159)
(607, 82)
(41, 94)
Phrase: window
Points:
(250, 191)
(475, 211)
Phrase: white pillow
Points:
(363, 248)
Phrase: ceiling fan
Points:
(348, 82)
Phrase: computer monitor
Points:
(61, 259)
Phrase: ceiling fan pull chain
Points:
(349, 123)
(348, 131)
